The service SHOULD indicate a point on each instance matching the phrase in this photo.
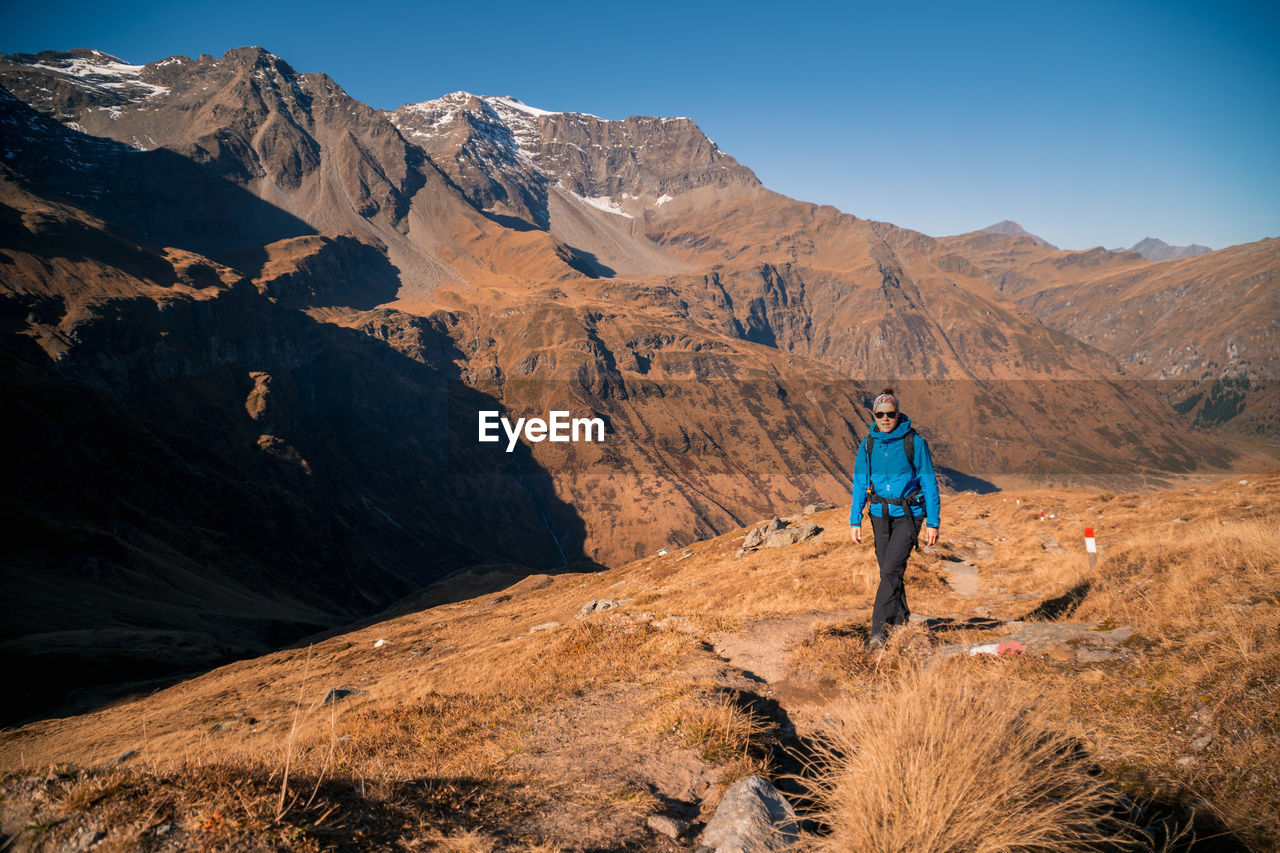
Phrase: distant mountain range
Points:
(1158, 250)
(250, 322)
(1149, 247)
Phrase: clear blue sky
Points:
(1090, 123)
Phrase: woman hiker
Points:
(893, 471)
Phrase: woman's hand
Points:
(855, 532)
(931, 536)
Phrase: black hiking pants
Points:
(895, 537)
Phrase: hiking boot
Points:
(876, 643)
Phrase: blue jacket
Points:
(892, 475)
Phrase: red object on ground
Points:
(1011, 647)
(1088, 533)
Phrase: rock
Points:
(339, 693)
(1057, 639)
(1186, 761)
(820, 506)
(1060, 653)
(1201, 718)
(752, 817)
(777, 534)
(668, 826)
(125, 756)
(545, 626)
(790, 535)
(596, 606)
(1117, 635)
(1051, 545)
(1200, 744)
(85, 838)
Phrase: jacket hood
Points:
(904, 424)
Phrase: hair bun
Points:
(888, 391)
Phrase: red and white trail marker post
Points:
(1091, 546)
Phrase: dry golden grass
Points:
(720, 725)
(1203, 595)
(1206, 603)
(943, 760)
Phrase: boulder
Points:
(337, 693)
(820, 506)
(791, 535)
(595, 606)
(753, 817)
(777, 534)
(753, 539)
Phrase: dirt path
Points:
(762, 649)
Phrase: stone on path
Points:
(1061, 641)
(753, 817)
(668, 826)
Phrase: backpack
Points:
(908, 444)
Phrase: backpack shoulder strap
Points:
(909, 445)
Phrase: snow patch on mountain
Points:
(514, 104)
(603, 202)
(103, 72)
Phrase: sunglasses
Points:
(885, 415)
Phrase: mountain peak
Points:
(1155, 249)
(1009, 228)
(535, 147)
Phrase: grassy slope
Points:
(476, 731)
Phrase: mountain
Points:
(253, 323)
(1158, 250)
(1197, 331)
(1009, 228)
